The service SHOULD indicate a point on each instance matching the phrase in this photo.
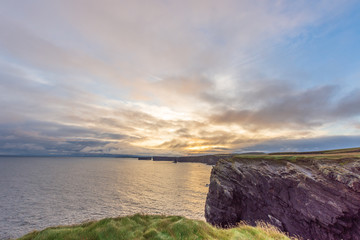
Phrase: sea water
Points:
(36, 193)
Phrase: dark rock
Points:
(313, 199)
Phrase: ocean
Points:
(36, 193)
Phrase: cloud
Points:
(348, 105)
(52, 138)
(289, 108)
(133, 40)
(171, 77)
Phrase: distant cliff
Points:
(314, 197)
(207, 159)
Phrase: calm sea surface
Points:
(39, 192)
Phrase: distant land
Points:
(210, 159)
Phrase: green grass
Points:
(155, 227)
(340, 156)
(275, 158)
(333, 151)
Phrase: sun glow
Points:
(204, 147)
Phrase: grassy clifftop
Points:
(154, 227)
(334, 151)
(339, 156)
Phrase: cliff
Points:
(312, 196)
(207, 159)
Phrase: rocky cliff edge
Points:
(314, 197)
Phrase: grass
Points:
(340, 156)
(334, 151)
(156, 227)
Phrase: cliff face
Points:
(311, 198)
(207, 159)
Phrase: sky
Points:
(163, 77)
